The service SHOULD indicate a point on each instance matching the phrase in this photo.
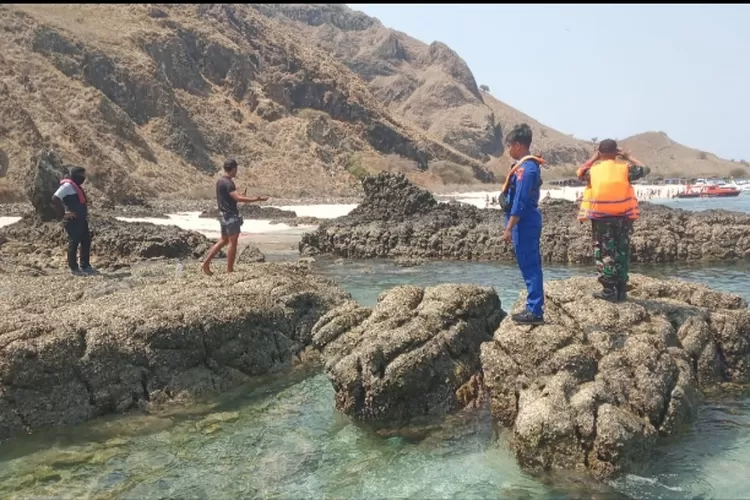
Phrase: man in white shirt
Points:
(72, 206)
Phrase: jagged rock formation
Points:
(71, 350)
(411, 354)
(599, 383)
(398, 219)
(42, 181)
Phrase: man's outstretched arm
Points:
(246, 199)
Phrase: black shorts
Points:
(230, 226)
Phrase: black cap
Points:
(608, 146)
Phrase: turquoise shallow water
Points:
(739, 204)
(281, 438)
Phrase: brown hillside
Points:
(671, 159)
(432, 87)
(152, 98)
(429, 85)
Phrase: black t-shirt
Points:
(227, 204)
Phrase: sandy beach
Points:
(644, 192)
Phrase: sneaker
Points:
(527, 318)
(77, 272)
(608, 294)
(89, 270)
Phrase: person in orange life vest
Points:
(72, 206)
(610, 203)
(523, 220)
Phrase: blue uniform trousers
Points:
(526, 246)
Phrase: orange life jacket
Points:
(609, 192)
(506, 204)
(515, 167)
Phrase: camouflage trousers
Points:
(611, 241)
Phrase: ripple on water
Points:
(283, 439)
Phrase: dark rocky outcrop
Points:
(42, 181)
(251, 255)
(398, 219)
(410, 355)
(41, 245)
(596, 385)
(272, 214)
(72, 349)
(249, 211)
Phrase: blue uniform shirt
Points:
(524, 190)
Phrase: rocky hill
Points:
(432, 87)
(152, 98)
(672, 159)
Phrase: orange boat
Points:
(709, 192)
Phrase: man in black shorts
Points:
(230, 219)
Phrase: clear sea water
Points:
(282, 438)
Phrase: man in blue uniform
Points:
(523, 220)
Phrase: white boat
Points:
(741, 185)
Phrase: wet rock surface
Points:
(75, 348)
(42, 245)
(409, 356)
(594, 387)
(398, 219)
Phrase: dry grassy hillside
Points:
(152, 98)
(671, 159)
(432, 87)
(429, 85)
(562, 152)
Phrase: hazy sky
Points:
(604, 70)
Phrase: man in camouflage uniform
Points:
(611, 235)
